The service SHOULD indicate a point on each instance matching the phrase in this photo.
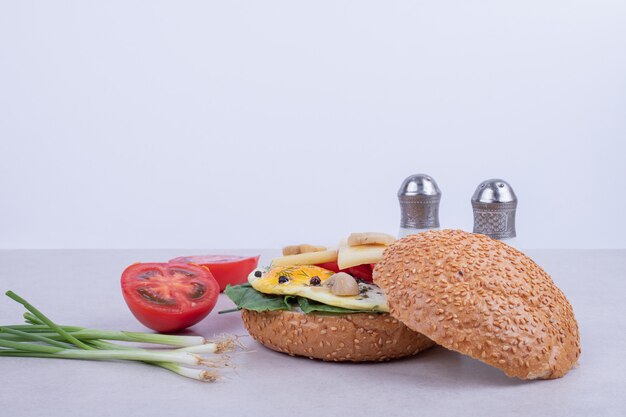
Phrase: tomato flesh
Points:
(363, 272)
(169, 296)
(226, 269)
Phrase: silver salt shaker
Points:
(419, 198)
(494, 204)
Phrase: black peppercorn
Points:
(258, 274)
(315, 281)
(282, 279)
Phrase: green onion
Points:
(92, 334)
(206, 348)
(42, 338)
(226, 344)
(199, 374)
(193, 373)
(161, 339)
(35, 337)
(86, 334)
(46, 320)
(42, 328)
(30, 347)
(185, 358)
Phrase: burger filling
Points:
(307, 288)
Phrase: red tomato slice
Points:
(226, 269)
(363, 272)
(331, 266)
(169, 296)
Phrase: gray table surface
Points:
(82, 287)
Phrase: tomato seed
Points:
(155, 297)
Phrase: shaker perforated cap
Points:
(494, 203)
(419, 198)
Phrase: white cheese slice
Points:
(310, 258)
(350, 256)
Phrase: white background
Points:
(241, 124)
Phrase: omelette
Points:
(308, 281)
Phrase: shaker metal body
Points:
(419, 198)
(494, 204)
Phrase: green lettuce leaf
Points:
(309, 306)
(245, 296)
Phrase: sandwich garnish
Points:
(290, 286)
(314, 278)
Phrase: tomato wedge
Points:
(227, 269)
(363, 272)
(169, 296)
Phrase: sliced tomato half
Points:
(227, 269)
(169, 296)
(363, 272)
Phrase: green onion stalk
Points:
(85, 333)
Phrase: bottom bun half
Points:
(359, 337)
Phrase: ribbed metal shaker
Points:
(419, 198)
(494, 204)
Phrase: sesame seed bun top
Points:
(482, 298)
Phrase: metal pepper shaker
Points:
(419, 198)
(494, 204)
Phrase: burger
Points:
(321, 303)
(463, 291)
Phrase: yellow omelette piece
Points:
(296, 280)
